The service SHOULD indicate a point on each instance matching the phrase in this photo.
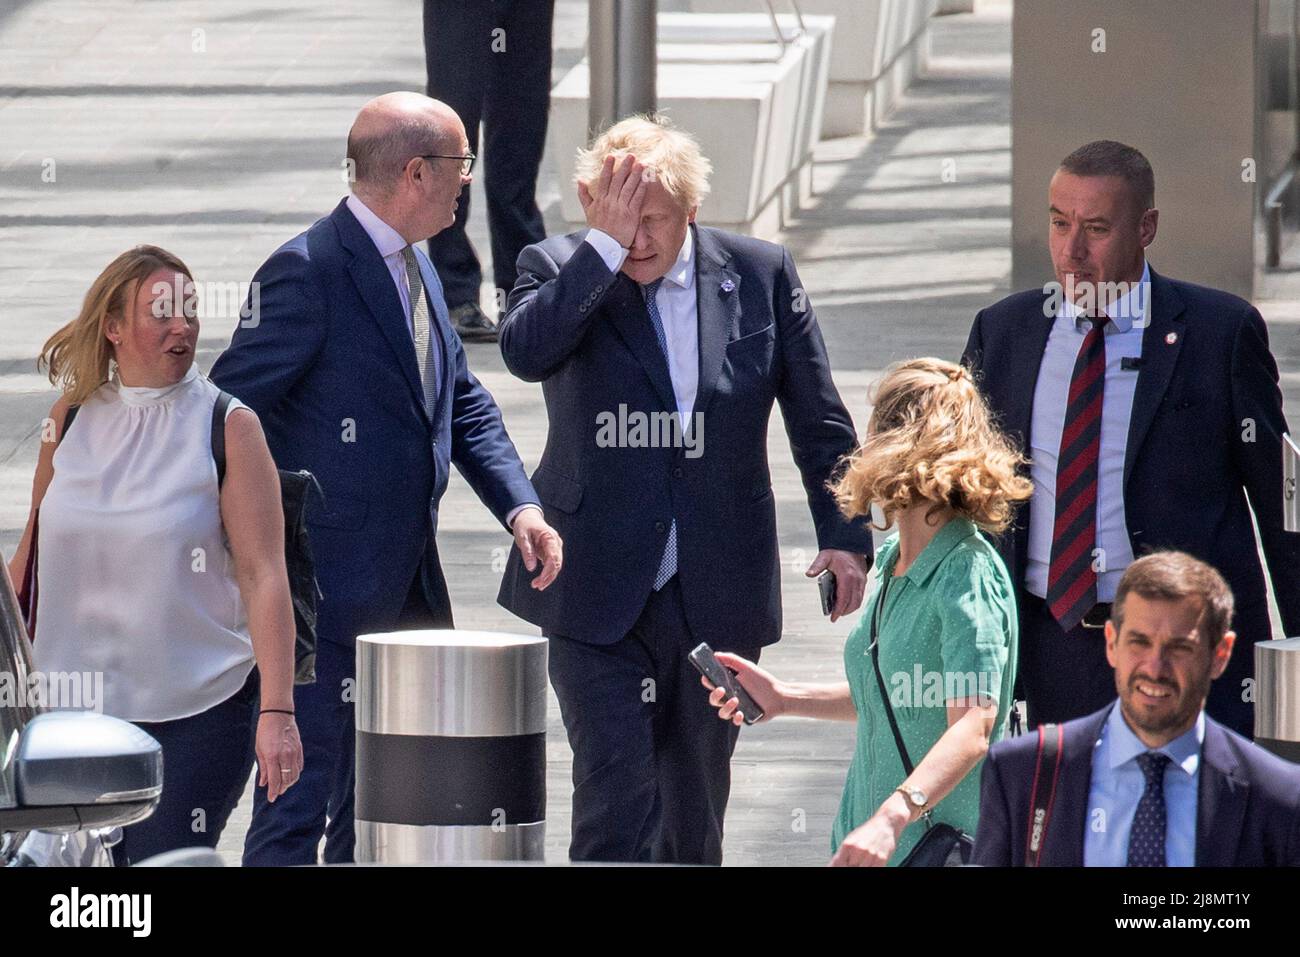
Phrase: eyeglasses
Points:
(466, 161)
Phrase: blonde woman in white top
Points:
(147, 571)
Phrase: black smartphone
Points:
(826, 587)
(708, 665)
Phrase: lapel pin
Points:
(728, 286)
(1171, 338)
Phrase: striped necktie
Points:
(422, 328)
(668, 563)
(1146, 838)
(1071, 579)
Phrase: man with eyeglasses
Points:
(353, 367)
(491, 62)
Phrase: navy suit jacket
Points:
(329, 367)
(585, 334)
(1247, 809)
(1205, 433)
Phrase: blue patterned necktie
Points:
(1146, 839)
(667, 564)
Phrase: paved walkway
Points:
(223, 152)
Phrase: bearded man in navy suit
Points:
(1149, 780)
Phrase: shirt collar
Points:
(386, 239)
(682, 271)
(945, 540)
(1124, 746)
(1125, 312)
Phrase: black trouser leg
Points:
(514, 134)
(458, 61)
(1064, 674)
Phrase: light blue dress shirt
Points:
(1123, 338)
(1117, 786)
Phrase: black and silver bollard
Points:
(1277, 697)
(451, 747)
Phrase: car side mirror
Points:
(75, 769)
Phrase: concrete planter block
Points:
(879, 47)
(755, 110)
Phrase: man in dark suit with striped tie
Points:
(1151, 414)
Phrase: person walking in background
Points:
(490, 61)
(356, 373)
(142, 568)
(650, 317)
(940, 631)
(1151, 414)
(1149, 780)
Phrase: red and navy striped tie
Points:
(1071, 581)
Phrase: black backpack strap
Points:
(1043, 794)
(67, 420)
(219, 434)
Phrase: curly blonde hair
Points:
(932, 439)
(673, 155)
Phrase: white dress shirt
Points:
(677, 311)
(1123, 340)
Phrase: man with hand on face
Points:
(357, 375)
(1152, 781)
(670, 531)
(1150, 411)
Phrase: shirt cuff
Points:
(608, 248)
(514, 512)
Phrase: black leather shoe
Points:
(472, 325)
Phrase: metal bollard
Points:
(1277, 697)
(451, 747)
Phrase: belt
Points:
(1097, 616)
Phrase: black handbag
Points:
(942, 845)
(295, 489)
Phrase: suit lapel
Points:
(1026, 352)
(1027, 348)
(374, 282)
(717, 304)
(626, 306)
(1069, 825)
(1220, 801)
(1161, 343)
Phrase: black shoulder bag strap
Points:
(1043, 795)
(219, 434)
(908, 767)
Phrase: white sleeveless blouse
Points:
(136, 580)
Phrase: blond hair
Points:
(672, 154)
(77, 356)
(932, 439)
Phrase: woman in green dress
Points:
(938, 468)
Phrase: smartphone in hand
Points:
(708, 665)
(826, 587)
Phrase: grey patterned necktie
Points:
(422, 328)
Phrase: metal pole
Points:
(621, 44)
